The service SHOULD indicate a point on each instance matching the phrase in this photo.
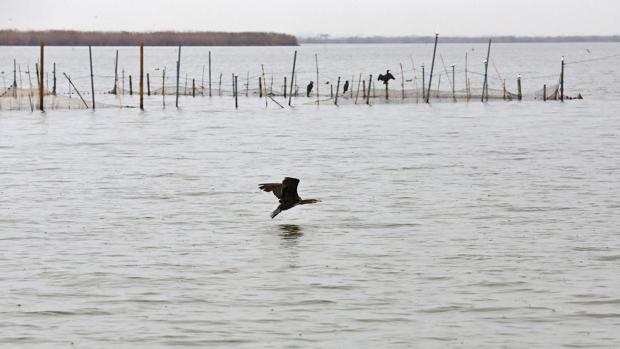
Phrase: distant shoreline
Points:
(456, 39)
(159, 38)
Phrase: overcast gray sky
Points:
(335, 17)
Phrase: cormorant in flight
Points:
(286, 192)
(386, 78)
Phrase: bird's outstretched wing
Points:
(275, 188)
(289, 188)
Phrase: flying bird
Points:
(286, 192)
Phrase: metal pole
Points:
(430, 78)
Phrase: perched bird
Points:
(346, 87)
(286, 192)
(386, 78)
(309, 88)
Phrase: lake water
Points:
(441, 225)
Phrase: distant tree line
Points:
(159, 38)
(453, 39)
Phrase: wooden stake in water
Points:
(193, 88)
(423, 84)
(545, 92)
(402, 80)
(453, 90)
(148, 85)
(359, 82)
(247, 84)
(115, 74)
(236, 92)
(466, 79)
(42, 86)
(163, 88)
(76, 90)
(220, 86)
(29, 92)
(210, 74)
(285, 87)
(130, 86)
(290, 97)
(368, 93)
(430, 78)
(14, 78)
(260, 87)
(92, 76)
(141, 76)
(562, 81)
(178, 76)
(485, 87)
(264, 92)
(519, 95)
(337, 91)
(202, 85)
(363, 89)
(316, 60)
(54, 80)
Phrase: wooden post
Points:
(220, 86)
(210, 74)
(233, 84)
(368, 93)
(337, 91)
(359, 82)
(202, 84)
(54, 85)
(29, 84)
(163, 88)
(351, 86)
(114, 91)
(545, 92)
(264, 92)
(178, 76)
(185, 86)
(247, 84)
(260, 87)
(316, 59)
(402, 80)
(438, 86)
(423, 84)
(519, 95)
(562, 81)
(485, 87)
(42, 86)
(364, 89)
(285, 87)
(387, 96)
(271, 86)
(236, 92)
(130, 86)
(453, 89)
(15, 78)
(76, 90)
(141, 76)
(193, 88)
(148, 85)
(466, 79)
(504, 88)
(430, 78)
(122, 81)
(92, 77)
(290, 97)
(331, 91)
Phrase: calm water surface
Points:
(449, 225)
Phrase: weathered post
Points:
(247, 84)
(368, 93)
(163, 88)
(363, 89)
(359, 82)
(402, 80)
(15, 78)
(202, 84)
(148, 85)
(453, 90)
(519, 95)
(92, 77)
(76, 90)
(285, 87)
(337, 91)
(114, 92)
(290, 97)
(42, 65)
(316, 59)
(562, 81)
(193, 88)
(210, 74)
(54, 80)
(544, 92)
(485, 87)
(430, 78)
(466, 79)
(141, 76)
(260, 87)
(178, 76)
(236, 92)
(130, 86)
(220, 86)
(423, 84)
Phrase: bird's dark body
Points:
(386, 77)
(286, 192)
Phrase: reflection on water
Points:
(290, 231)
